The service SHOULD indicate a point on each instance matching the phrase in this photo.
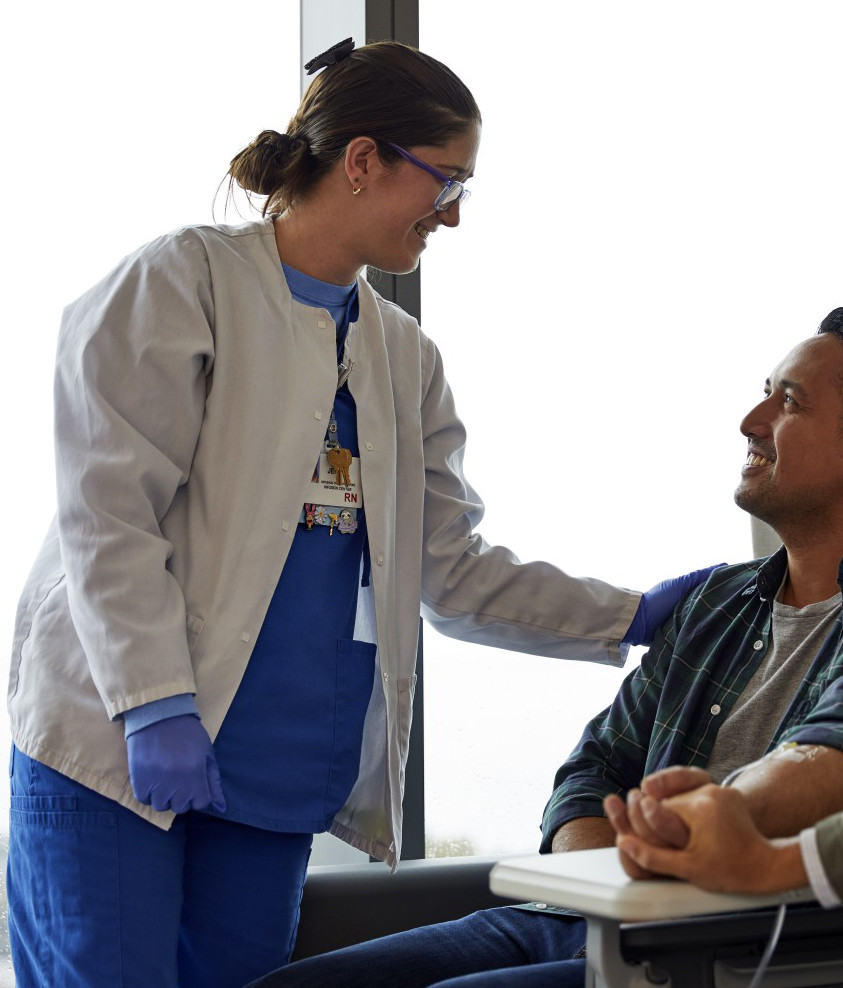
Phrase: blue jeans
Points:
(495, 948)
(100, 898)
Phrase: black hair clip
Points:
(336, 53)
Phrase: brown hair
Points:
(385, 90)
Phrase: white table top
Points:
(595, 884)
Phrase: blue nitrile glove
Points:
(173, 767)
(658, 603)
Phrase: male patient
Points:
(742, 668)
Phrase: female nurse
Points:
(259, 487)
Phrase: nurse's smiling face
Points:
(399, 215)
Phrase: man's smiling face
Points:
(794, 467)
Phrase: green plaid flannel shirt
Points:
(668, 711)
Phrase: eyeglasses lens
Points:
(455, 192)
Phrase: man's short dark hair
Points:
(833, 323)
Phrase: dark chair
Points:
(345, 904)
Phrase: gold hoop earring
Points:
(357, 191)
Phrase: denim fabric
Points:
(553, 974)
(520, 947)
(100, 898)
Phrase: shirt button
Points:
(715, 709)
(540, 905)
(757, 645)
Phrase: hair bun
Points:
(287, 143)
(259, 166)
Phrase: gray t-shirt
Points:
(797, 635)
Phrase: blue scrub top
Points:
(289, 747)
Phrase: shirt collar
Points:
(771, 573)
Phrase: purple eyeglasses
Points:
(454, 191)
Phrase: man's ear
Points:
(362, 161)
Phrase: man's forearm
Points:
(793, 788)
(584, 833)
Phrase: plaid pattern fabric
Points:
(668, 711)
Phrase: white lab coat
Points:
(192, 397)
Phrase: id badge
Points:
(336, 480)
(335, 493)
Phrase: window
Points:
(651, 229)
(653, 225)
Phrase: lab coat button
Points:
(317, 416)
(370, 445)
(245, 637)
(386, 677)
(321, 324)
(285, 526)
(715, 710)
(380, 559)
(757, 645)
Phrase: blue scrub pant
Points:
(494, 948)
(100, 898)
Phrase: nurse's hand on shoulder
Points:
(658, 603)
(172, 766)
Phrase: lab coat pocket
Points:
(355, 672)
(44, 618)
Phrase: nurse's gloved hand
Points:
(658, 603)
(172, 766)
